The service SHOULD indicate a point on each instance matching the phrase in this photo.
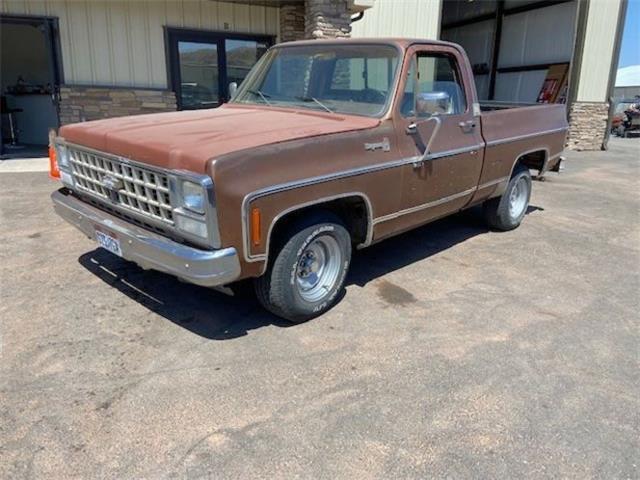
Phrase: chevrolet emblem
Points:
(113, 185)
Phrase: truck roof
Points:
(400, 42)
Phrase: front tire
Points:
(309, 270)
(506, 212)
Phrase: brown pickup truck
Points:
(326, 146)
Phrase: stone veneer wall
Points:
(80, 103)
(327, 19)
(292, 22)
(587, 125)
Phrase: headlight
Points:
(62, 155)
(64, 164)
(193, 196)
(194, 209)
(193, 226)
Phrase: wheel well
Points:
(533, 160)
(352, 210)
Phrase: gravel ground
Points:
(456, 352)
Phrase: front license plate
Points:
(108, 242)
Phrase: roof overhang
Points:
(355, 6)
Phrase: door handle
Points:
(468, 126)
(412, 129)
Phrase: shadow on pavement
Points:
(205, 312)
(217, 316)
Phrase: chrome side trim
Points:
(527, 152)
(283, 187)
(522, 137)
(353, 172)
(265, 256)
(455, 151)
(545, 163)
(493, 182)
(424, 206)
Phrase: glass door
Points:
(199, 73)
(241, 56)
(202, 64)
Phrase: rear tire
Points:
(309, 269)
(506, 212)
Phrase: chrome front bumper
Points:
(208, 268)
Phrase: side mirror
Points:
(432, 103)
(233, 88)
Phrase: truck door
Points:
(437, 127)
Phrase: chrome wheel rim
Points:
(518, 198)
(318, 268)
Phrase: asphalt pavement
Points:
(456, 351)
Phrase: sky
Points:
(630, 49)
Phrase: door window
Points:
(433, 87)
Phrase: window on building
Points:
(202, 64)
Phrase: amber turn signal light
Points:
(255, 227)
(54, 171)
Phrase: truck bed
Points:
(513, 130)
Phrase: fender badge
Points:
(383, 145)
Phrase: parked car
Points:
(326, 147)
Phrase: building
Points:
(513, 44)
(627, 82)
(65, 62)
(71, 61)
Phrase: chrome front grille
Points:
(119, 183)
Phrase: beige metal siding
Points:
(122, 42)
(400, 18)
(543, 35)
(598, 49)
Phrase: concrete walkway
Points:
(24, 165)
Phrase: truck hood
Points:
(189, 139)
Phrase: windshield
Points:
(621, 107)
(354, 79)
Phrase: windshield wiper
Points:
(313, 99)
(263, 96)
